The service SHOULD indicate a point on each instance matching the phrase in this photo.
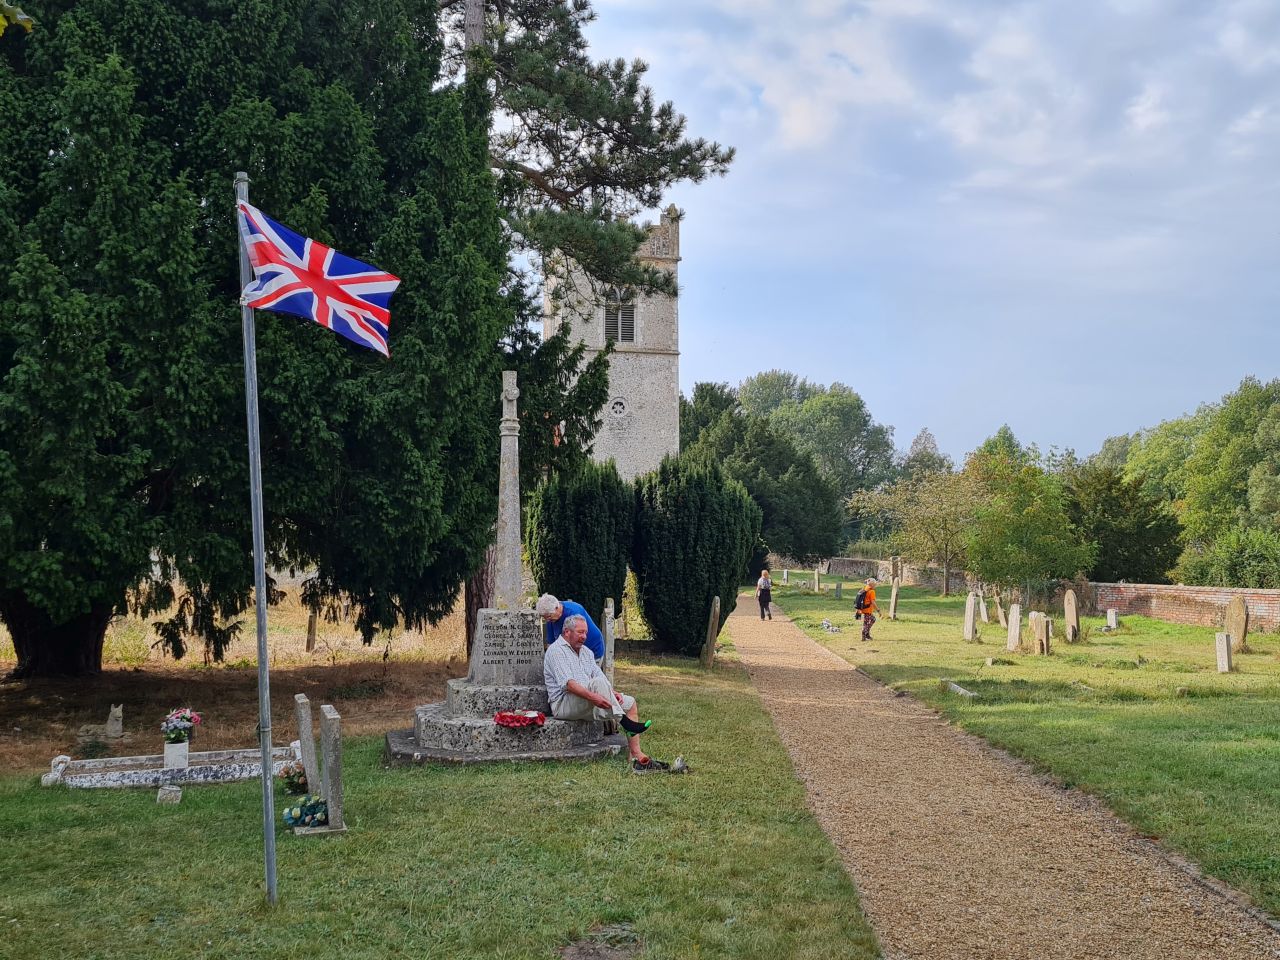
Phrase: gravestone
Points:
(506, 661)
(169, 794)
(1000, 614)
(331, 750)
(1113, 619)
(713, 631)
(1223, 643)
(982, 607)
(786, 576)
(1044, 635)
(817, 580)
(893, 599)
(840, 590)
(1015, 628)
(970, 632)
(1070, 617)
(608, 628)
(1237, 624)
(307, 742)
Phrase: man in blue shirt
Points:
(554, 612)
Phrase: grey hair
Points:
(546, 605)
(572, 621)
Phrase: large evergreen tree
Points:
(1136, 532)
(122, 442)
(802, 514)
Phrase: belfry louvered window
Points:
(620, 317)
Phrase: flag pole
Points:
(259, 562)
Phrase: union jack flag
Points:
(293, 274)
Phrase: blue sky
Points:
(1060, 215)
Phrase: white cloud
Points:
(1146, 111)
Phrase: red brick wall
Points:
(1198, 606)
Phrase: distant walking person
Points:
(764, 593)
(865, 606)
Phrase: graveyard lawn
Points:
(504, 861)
(1139, 717)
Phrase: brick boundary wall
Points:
(1173, 603)
(1197, 606)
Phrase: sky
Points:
(1060, 215)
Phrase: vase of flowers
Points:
(294, 777)
(178, 729)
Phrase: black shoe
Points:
(649, 766)
(632, 727)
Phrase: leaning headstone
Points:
(1113, 618)
(982, 608)
(1223, 641)
(970, 611)
(608, 638)
(1070, 616)
(1237, 624)
(840, 590)
(893, 599)
(307, 742)
(1015, 628)
(1000, 614)
(713, 631)
(331, 749)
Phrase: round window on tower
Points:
(617, 408)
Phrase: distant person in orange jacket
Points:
(865, 604)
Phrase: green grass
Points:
(1199, 769)
(509, 861)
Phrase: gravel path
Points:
(960, 853)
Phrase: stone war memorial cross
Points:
(505, 672)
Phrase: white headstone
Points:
(786, 576)
(608, 639)
(970, 612)
(1223, 642)
(331, 748)
(1015, 628)
(1113, 619)
(307, 742)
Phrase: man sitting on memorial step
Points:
(579, 690)
(554, 613)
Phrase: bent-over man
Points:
(554, 613)
(579, 690)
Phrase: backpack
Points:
(858, 601)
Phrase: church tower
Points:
(641, 420)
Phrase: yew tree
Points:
(123, 476)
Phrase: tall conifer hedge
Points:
(695, 530)
(579, 535)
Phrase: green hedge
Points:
(578, 534)
(694, 533)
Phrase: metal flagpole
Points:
(259, 562)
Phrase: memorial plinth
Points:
(505, 674)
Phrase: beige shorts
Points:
(570, 706)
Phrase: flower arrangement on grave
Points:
(519, 718)
(294, 777)
(179, 725)
(310, 811)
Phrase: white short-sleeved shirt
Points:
(560, 665)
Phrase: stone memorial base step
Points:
(467, 699)
(435, 727)
(403, 748)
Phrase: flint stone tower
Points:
(641, 420)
